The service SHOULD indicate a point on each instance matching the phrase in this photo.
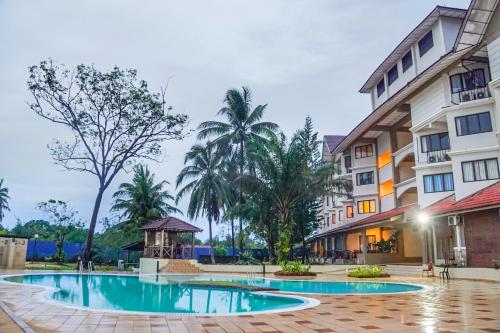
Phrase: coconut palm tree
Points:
(142, 201)
(242, 126)
(206, 183)
(4, 200)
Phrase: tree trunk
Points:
(210, 241)
(93, 222)
(232, 235)
(241, 235)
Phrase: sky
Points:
(301, 57)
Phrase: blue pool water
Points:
(165, 294)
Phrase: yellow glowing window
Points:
(384, 158)
(350, 211)
(386, 188)
(366, 206)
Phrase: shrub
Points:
(246, 258)
(294, 268)
(220, 251)
(368, 272)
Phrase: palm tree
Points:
(206, 183)
(242, 126)
(4, 197)
(142, 200)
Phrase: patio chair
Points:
(445, 272)
(427, 269)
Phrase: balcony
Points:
(470, 95)
(402, 153)
(435, 156)
(404, 186)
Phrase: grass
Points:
(368, 272)
(52, 266)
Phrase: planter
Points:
(299, 274)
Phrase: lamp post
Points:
(34, 249)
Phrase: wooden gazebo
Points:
(161, 238)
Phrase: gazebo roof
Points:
(171, 224)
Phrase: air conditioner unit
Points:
(480, 95)
(432, 159)
(454, 220)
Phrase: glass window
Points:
(334, 220)
(442, 182)
(425, 44)
(364, 178)
(366, 206)
(407, 61)
(467, 81)
(327, 221)
(380, 88)
(363, 151)
(347, 162)
(434, 142)
(392, 75)
(456, 83)
(341, 215)
(349, 211)
(473, 171)
(473, 124)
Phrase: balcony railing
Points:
(435, 156)
(470, 95)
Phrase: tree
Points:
(64, 219)
(4, 200)
(242, 126)
(40, 227)
(206, 183)
(113, 117)
(142, 200)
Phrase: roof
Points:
(381, 217)
(475, 23)
(488, 197)
(414, 36)
(14, 236)
(171, 224)
(332, 141)
(135, 246)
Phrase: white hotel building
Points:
(430, 146)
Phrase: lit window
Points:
(384, 158)
(349, 211)
(366, 206)
(386, 188)
(334, 220)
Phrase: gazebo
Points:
(161, 238)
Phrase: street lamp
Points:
(423, 218)
(34, 249)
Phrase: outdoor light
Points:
(423, 218)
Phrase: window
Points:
(349, 211)
(407, 61)
(473, 124)
(392, 75)
(467, 81)
(348, 163)
(363, 151)
(327, 221)
(364, 178)
(334, 220)
(341, 215)
(384, 159)
(474, 171)
(435, 142)
(442, 182)
(366, 206)
(386, 188)
(425, 44)
(380, 88)
(327, 201)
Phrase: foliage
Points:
(246, 258)
(220, 251)
(368, 272)
(63, 217)
(389, 245)
(294, 267)
(113, 116)
(4, 200)
(242, 127)
(142, 201)
(206, 183)
(69, 267)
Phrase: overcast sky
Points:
(301, 57)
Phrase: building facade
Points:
(430, 144)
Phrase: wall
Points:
(482, 230)
(412, 243)
(494, 57)
(13, 252)
(352, 241)
(450, 28)
(428, 102)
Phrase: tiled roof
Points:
(171, 224)
(487, 197)
(332, 141)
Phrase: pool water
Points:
(164, 294)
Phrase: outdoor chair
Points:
(427, 269)
(444, 273)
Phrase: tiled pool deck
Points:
(455, 306)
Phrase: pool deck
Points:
(454, 306)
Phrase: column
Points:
(192, 245)
(362, 257)
(162, 241)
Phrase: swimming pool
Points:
(167, 294)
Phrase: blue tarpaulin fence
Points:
(48, 248)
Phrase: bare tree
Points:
(113, 117)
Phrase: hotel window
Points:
(349, 211)
(473, 124)
(364, 178)
(380, 88)
(341, 215)
(327, 200)
(366, 206)
(327, 221)
(407, 61)
(386, 188)
(334, 220)
(467, 81)
(435, 142)
(442, 182)
(348, 163)
(392, 75)
(384, 159)
(363, 151)
(425, 44)
(474, 171)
